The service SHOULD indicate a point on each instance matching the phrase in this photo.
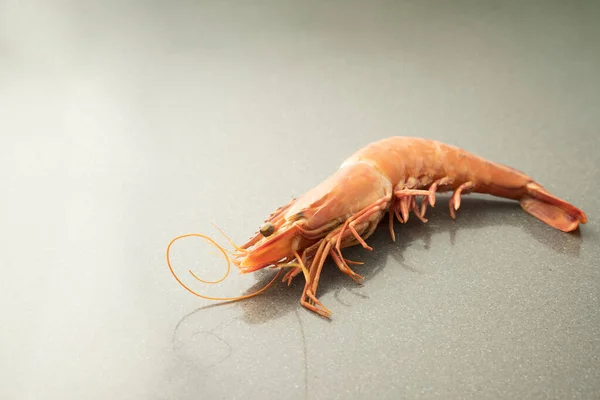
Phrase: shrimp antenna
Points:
(235, 246)
(218, 280)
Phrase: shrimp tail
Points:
(550, 209)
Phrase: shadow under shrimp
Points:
(476, 212)
(479, 211)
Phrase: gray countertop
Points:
(125, 124)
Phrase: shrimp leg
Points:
(361, 216)
(455, 199)
(433, 189)
(291, 275)
(343, 266)
(404, 200)
(361, 220)
(310, 288)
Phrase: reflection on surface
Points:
(191, 345)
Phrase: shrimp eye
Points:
(267, 229)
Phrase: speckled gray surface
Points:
(124, 124)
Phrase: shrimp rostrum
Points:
(387, 176)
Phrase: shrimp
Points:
(387, 176)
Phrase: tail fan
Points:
(551, 210)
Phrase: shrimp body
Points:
(387, 176)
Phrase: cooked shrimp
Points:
(385, 176)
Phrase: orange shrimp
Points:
(385, 176)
